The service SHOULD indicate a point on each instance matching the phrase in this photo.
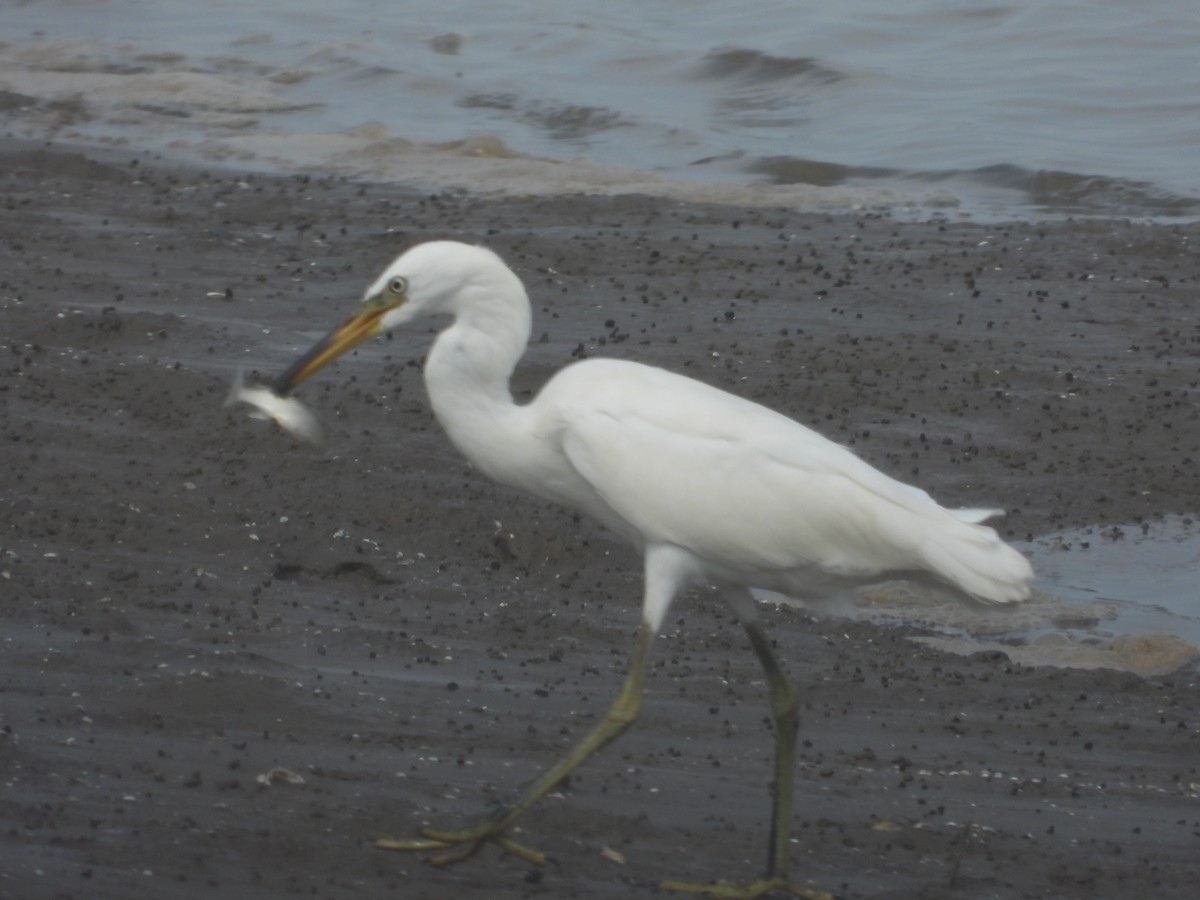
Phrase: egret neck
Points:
(467, 376)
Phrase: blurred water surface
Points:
(996, 110)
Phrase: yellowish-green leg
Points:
(785, 710)
(464, 844)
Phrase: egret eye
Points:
(398, 286)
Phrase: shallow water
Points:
(1150, 573)
(1123, 597)
(1008, 110)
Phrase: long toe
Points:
(723, 890)
(462, 845)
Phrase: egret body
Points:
(711, 488)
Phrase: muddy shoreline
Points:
(190, 601)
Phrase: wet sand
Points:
(191, 602)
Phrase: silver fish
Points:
(287, 412)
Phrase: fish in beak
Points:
(287, 412)
(290, 414)
(345, 337)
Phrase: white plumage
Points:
(709, 486)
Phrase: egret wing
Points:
(755, 493)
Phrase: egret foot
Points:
(723, 890)
(462, 845)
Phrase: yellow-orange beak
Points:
(345, 337)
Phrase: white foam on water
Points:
(249, 116)
(485, 166)
(926, 111)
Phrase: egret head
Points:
(426, 280)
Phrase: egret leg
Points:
(464, 844)
(785, 711)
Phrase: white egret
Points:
(711, 488)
